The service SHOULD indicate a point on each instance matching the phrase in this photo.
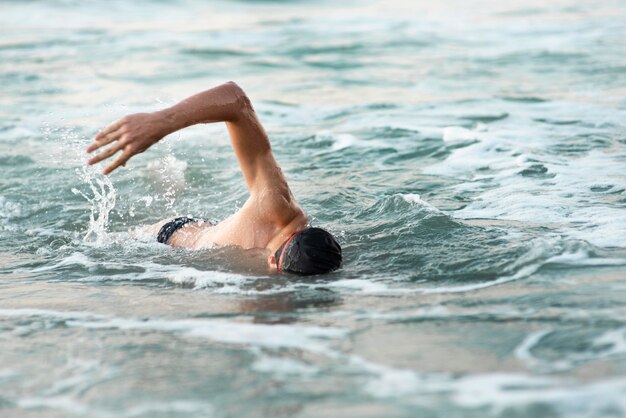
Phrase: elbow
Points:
(241, 98)
(233, 85)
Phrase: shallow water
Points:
(470, 157)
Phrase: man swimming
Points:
(270, 219)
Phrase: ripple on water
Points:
(469, 158)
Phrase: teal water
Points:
(469, 155)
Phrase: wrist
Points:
(168, 121)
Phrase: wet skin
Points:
(269, 216)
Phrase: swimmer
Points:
(270, 219)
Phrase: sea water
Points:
(469, 155)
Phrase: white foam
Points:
(492, 389)
(377, 288)
(307, 338)
(386, 381)
(523, 272)
(342, 141)
(563, 193)
(63, 402)
(565, 199)
(284, 367)
(501, 391)
(523, 350)
(75, 258)
(615, 340)
(151, 270)
(526, 265)
(417, 200)
(82, 373)
(175, 407)
(9, 209)
(6, 374)
(362, 285)
(458, 133)
(609, 344)
(20, 313)
(230, 282)
(215, 281)
(495, 391)
(582, 257)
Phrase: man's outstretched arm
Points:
(228, 103)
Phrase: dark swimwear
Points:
(167, 230)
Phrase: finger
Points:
(111, 128)
(107, 139)
(106, 153)
(121, 160)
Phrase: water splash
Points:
(9, 209)
(169, 174)
(102, 202)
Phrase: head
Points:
(310, 251)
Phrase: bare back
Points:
(269, 216)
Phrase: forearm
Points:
(226, 103)
(223, 103)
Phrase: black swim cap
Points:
(310, 251)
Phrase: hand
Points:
(133, 134)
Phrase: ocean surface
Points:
(469, 155)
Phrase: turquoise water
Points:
(470, 156)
